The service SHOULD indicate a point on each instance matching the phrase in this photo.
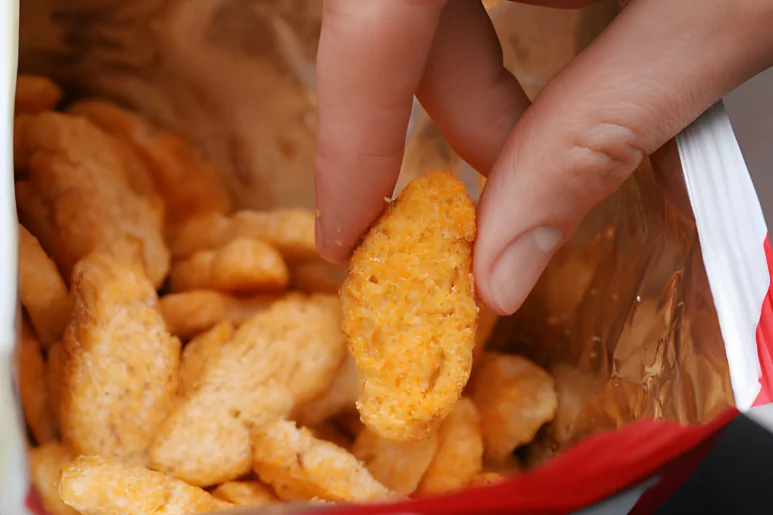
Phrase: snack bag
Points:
(200, 359)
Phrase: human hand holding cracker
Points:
(648, 75)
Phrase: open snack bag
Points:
(177, 346)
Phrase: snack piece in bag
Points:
(97, 486)
(54, 374)
(486, 479)
(42, 290)
(190, 313)
(339, 397)
(35, 94)
(397, 465)
(301, 467)
(78, 197)
(285, 355)
(245, 493)
(121, 366)
(46, 464)
(515, 398)
(409, 308)
(188, 184)
(291, 231)
(459, 457)
(242, 265)
(200, 351)
(32, 387)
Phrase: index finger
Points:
(369, 64)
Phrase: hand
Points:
(657, 67)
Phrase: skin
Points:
(656, 68)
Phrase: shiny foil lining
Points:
(623, 316)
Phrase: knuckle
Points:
(604, 156)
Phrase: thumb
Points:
(655, 69)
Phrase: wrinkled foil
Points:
(623, 316)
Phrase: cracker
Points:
(35, 94)
(245, 493)
(191, 313)
(121, 365)
(96, 486)
(515, 398)
(32, 387)
(486, 479)
(397, 465)
(78, 198)
(188, 184)
(339, 397)
(54, 374)
(241, 266)
(46, 463)
(199, 351)
(42, 290)
(409, 308)
(291, 231)
(282, 356)
(301, 467)
(459, 456)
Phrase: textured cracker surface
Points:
(459, 456)
(285, 355)
(301, 467)
(32, 387)
(486, 479)
(409, 308)
(291, 231)
(515, 397)
(96, 486)
(46, 463)
(340, 396)
(78, 197)
(42, 290)
(35, 94)
(54, 374)
(188, 184)
(121, 366)
(242, 265)
(190, 313)
(199, 351)
(397, 465)
(245, 493)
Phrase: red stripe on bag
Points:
(595, 469)
(672, 477)
(765, 336)
(33, 504)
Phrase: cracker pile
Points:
(177, 356)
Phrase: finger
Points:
(654, 70)
(466, 89)
(370, 60)
(559, 4)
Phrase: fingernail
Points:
(330, 249)
(519, 266)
